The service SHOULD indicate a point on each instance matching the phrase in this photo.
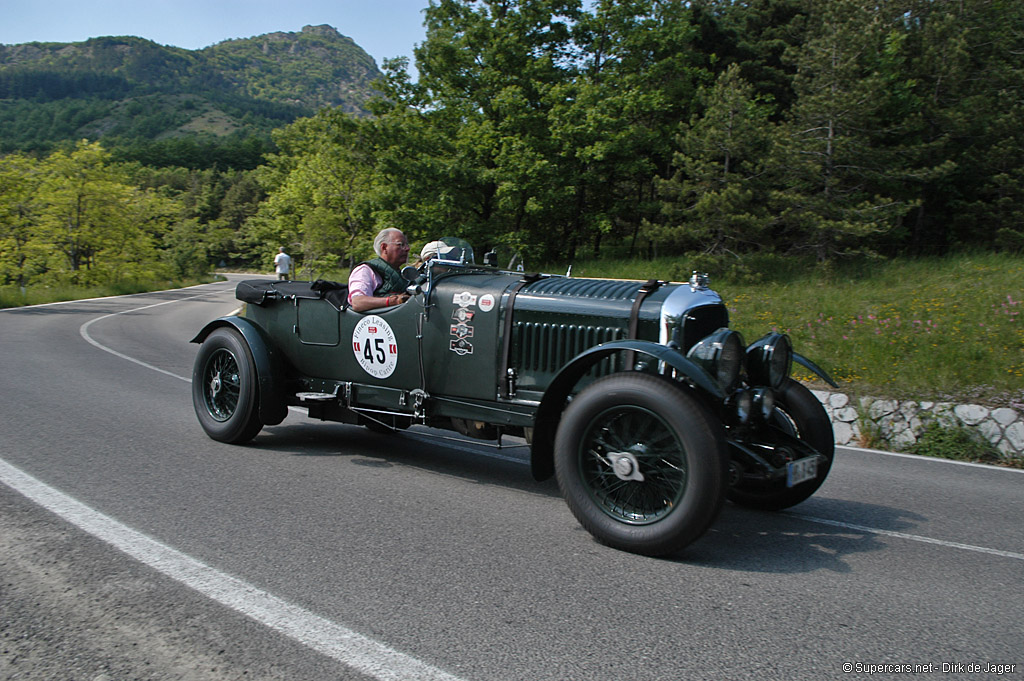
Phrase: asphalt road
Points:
(134, 547)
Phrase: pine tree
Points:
(826, 168)
(716, 199)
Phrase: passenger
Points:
(437, 249)
(378, 283)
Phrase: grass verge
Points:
(13, 296)
(944, 329)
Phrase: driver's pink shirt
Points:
(363, 281)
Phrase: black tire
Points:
(665, 434)
(225, 388)
(799, 413)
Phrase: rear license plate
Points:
(801, 470)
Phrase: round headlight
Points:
(721, 355)
(769, 360)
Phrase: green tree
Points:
(962, 133)
(716, 201)
(826, 168)
(640, 72)
(93, 225)
(319, 191)
(486, 72)
(19, 182)
(756, 35)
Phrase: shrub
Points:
(870, 436)
(956, 442)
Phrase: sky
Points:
(384, 28)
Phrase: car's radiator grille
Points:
(702, 321)
(546, 348)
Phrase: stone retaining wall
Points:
(900, 422)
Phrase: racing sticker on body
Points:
(464, 299)
(486, 302)
(375, 347)
(462, 331)
(462, 316)
(460, 346)
(462, 328)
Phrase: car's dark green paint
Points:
(490, 353)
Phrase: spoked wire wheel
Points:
(641, 463)
(633, 465)
(221, 385)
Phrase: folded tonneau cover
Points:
(257, 291)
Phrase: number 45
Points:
(374, 352)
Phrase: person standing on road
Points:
(283, 264)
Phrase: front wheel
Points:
(799, 413)
(224, 388)
(641, 463)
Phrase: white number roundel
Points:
(375, 347)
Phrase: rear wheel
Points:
(641, 463)
(225, 388)
(799, 413)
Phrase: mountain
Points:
(129, 90)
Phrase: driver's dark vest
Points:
(391, 279)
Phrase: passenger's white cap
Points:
(437, 248)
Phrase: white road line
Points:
(918, 457)
(326, 637)
(322, 635)
(84, 331)
(911, 537)
(122, 295)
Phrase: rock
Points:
(846, 415)
(971, 414)
(880, 408)
(1005, 417)
(944, 415)
(904, 439)
(843, 433)
(1015, 436)
(909, 409)
(991, 431)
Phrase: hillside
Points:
(129, 90)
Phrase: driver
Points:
(377, 283)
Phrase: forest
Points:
(563, 131)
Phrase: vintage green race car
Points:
(636, 395)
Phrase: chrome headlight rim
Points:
(770, 360)
(721, 355)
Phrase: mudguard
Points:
(551, 405)
(272, 406)
(800, 359)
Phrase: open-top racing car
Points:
(636, 395)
